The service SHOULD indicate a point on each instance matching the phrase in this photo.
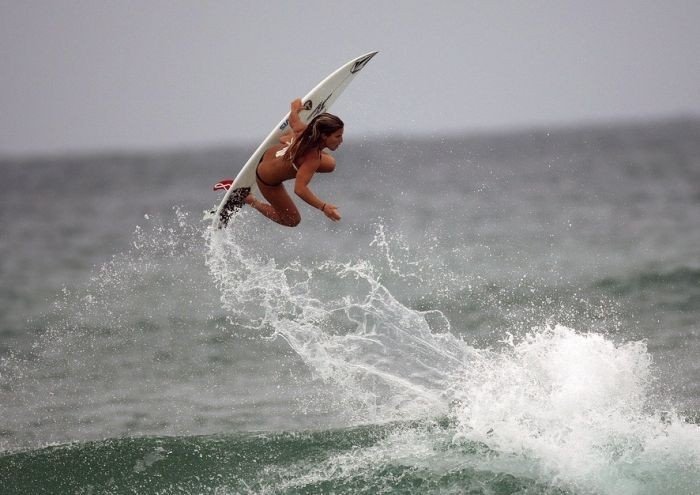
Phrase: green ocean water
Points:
(370, 459)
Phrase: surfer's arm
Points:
(296, 126)
(301, 189)
(294, 120)
(301, 185)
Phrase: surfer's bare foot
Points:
(250, 200)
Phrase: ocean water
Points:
(498, 314)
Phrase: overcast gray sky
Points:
(123, 74)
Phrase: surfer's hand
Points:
(331, 211)
(297, 105)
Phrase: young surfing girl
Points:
(299, 156)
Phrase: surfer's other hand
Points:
(331, 211)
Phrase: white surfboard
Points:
(317, 101)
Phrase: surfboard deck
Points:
(317, 101)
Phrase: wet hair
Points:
(312, 136)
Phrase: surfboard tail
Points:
(235, 202)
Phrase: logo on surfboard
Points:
(320, 108)
(357, 67)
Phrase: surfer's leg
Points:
(281, 208)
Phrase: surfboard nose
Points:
(361, 62)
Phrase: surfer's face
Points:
(334, 140)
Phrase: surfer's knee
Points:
(290, 218)
(291, 221)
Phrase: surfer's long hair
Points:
(312, 137)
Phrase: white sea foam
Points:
(577, 405)
(384, 357)
(558, 405)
